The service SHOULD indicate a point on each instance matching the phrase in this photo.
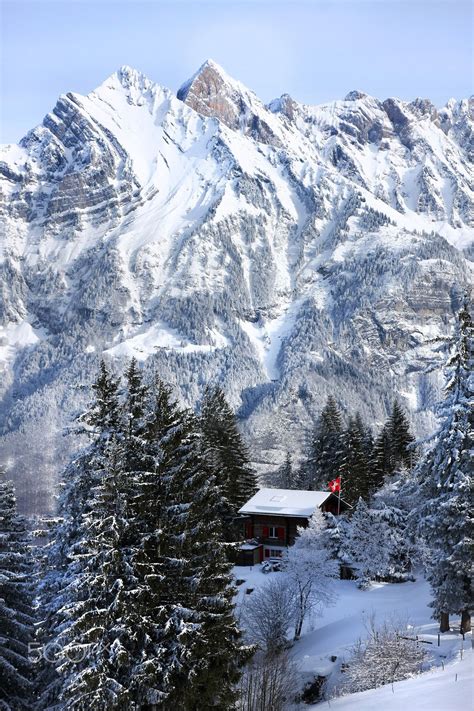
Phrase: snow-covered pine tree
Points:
(392, 525)
(102, 422)
(104, 414)
(381, 467)
(284, 476)
(16, 605)
(355, 467)
(401, 440)
(134, 416)
(445, 519)
(393, 448)
(226, 453)
(364, 549)
(334, 536)
(105, 636)
(217, 651)
(183, 564)
(325, 448)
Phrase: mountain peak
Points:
(208, 72)
(132, 78)
(212, 92)
(133, 82)
(354, 95)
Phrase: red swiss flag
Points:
(335, 485)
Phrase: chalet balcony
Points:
(272, 541)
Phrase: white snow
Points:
(448, 689)
(285, 502)
(14, 337)
(335, 632)
(267, 336)
(147, 340)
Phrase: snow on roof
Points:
(285, 502)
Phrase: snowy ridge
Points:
(283, 251)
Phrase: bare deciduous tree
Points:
(269, 684)
(268, 613)
(311, 571)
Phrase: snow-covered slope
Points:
(285, 251)
(327, 642)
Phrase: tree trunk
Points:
(298, 628)
(465, 621)
(444, 622)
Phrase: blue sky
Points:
(315, 50)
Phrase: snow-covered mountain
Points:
(284, 251)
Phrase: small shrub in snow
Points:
(390, 653)
(269, 683)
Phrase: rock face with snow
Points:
(284, 251)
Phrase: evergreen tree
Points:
(401, 439)
(325, 451)
(146, 616)
(393, 448)
(134, 415)
(103, 422)
(382, 466)
(364, 550)
(226, 454)
(284, 477)
(104, 414)
(16, 604)
(376, 544)
(182, 558)
(106, 634)
(355, 466)
(444, 478)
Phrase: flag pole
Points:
(339, 496)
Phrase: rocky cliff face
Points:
(285, 252)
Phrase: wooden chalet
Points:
(271, 519)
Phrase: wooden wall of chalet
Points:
(258, 526)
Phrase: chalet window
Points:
(273, 532)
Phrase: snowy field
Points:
(446, 685)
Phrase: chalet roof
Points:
(285, 502)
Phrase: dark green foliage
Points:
(286, 475)
(355, 466)
(401, 440)
(325, 449)
(104, 414)
(393, 448)
(105, 635)
(134, 417)
(381, 464)
(226, 454)
(16, 605)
